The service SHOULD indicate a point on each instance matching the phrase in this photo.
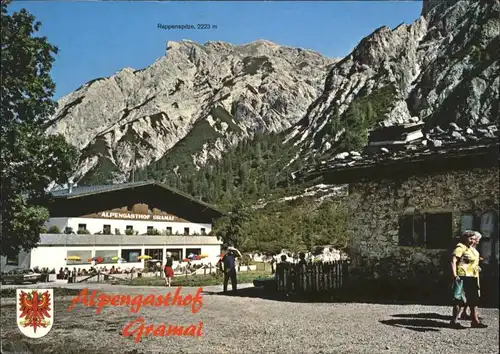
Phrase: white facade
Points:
(119, 236)
(54, 249)
(140, 227)
(55, 257)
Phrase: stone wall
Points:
(377, 206)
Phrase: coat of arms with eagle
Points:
(35, 311)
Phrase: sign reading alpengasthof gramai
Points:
(117, 215)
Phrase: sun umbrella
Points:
(144, 257)
(115, 258)
(73, 258)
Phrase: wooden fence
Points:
(311, 278)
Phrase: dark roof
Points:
(435, 145)
(82, 191)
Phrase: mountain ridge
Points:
(154, 108)
(440, 69)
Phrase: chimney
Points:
(70, 186)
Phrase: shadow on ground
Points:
(420, 322)
(342, 296)
(261, 293)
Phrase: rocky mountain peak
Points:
(429, 5)
(191, 105)
(440, 69)
(222, 91)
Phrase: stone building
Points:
(409, 206)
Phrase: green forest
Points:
(259, 169)
(253, 169)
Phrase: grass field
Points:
(196, 280)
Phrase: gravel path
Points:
(254, 325)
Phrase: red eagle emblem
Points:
(34, 308)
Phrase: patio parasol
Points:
(115, 258)
(73, 258)
(144, 257)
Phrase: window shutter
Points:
(406, 230)
(419, 230)
(439, 230)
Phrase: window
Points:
(193, 251)
(82, 227)
(169, 231)
(78, 257)
(466, 222)
(131, 255)
(429, 230)
(150, 230)
(68, 230)
(186, 231)
(129, 230)
(106, 229)
(107, 255)
(155, 253)
(176, 253)
(203, 231)
(488, 226)
(14, 261)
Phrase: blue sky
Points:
(96, 39)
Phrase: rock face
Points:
(444, 68)
(213, 94)
(190, 105)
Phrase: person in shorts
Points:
(465, 267)
(169, 272)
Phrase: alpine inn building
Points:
(118, 223)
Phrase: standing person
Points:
(302, 258)
(169, 272)
(229, 263)
(284, 261)
(465, 268)
(158, 268)
(467, 315)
